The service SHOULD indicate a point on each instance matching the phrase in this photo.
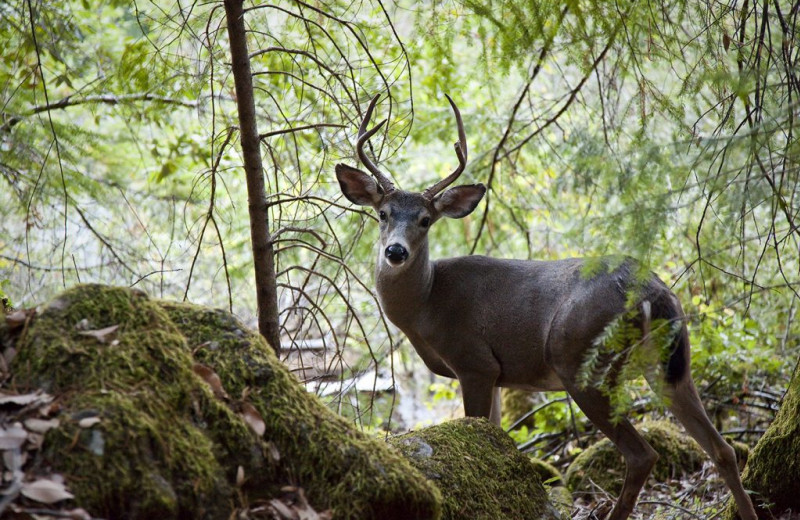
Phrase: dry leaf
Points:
(41, 425)
(35, 441)
(211, 378)
(239, 476)
(101, 335)
(46, 491)
(9, 354)
(88, 422)
(12, 437)
(17, 319)
(283, 511)
(274, 454)
(13, 461)
(253, 419)
(24, 399)
(294, 505)
(78, 514)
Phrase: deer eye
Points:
(382, 215)
(425, 222)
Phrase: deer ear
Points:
(459, 201)
(357, 186)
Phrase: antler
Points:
(461, 153)
(363, 137)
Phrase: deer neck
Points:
(404, 290)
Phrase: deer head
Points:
(405, 217)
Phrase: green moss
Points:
(548, 473)
(138, 459)
(561, 498)
(602, 464)
(166, 447)
(478, 470)
(339, 467)
(773, 468)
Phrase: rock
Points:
(478, 470)
(167, 445)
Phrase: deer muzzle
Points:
(396, 254)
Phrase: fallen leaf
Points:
(46, 491)
(78, 514)
(239, 476)
(294, 505)
(41, 425)
(9, 354)
(208, 375)
(101, 335)
(274, 454)
(282, 510)
(88, 422)
(24, 399)
(83, 324)
(17, 319)
(13, 461)
(35, 441)
(253, 419)
(12, 437)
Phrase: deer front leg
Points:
(479, 394)
(497, 406)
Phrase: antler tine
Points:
(363, 137)
(461, 153)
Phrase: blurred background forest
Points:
(662, 130)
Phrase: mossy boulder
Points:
(170, 445)
(773, 467)
(602, 465)
(478, 470)
(548, 473)
(553, 481)
(561, 498)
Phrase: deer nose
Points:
(396, 254)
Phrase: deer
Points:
(523, 324)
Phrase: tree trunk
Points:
(263, 253)
(773, 468)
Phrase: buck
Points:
(495, 323)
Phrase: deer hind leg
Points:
(684, 403)
(639, 456)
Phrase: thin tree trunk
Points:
(263, 253)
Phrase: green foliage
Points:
(5, 301)
(442, 391)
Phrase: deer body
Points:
(471, 327)
(525, 324)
